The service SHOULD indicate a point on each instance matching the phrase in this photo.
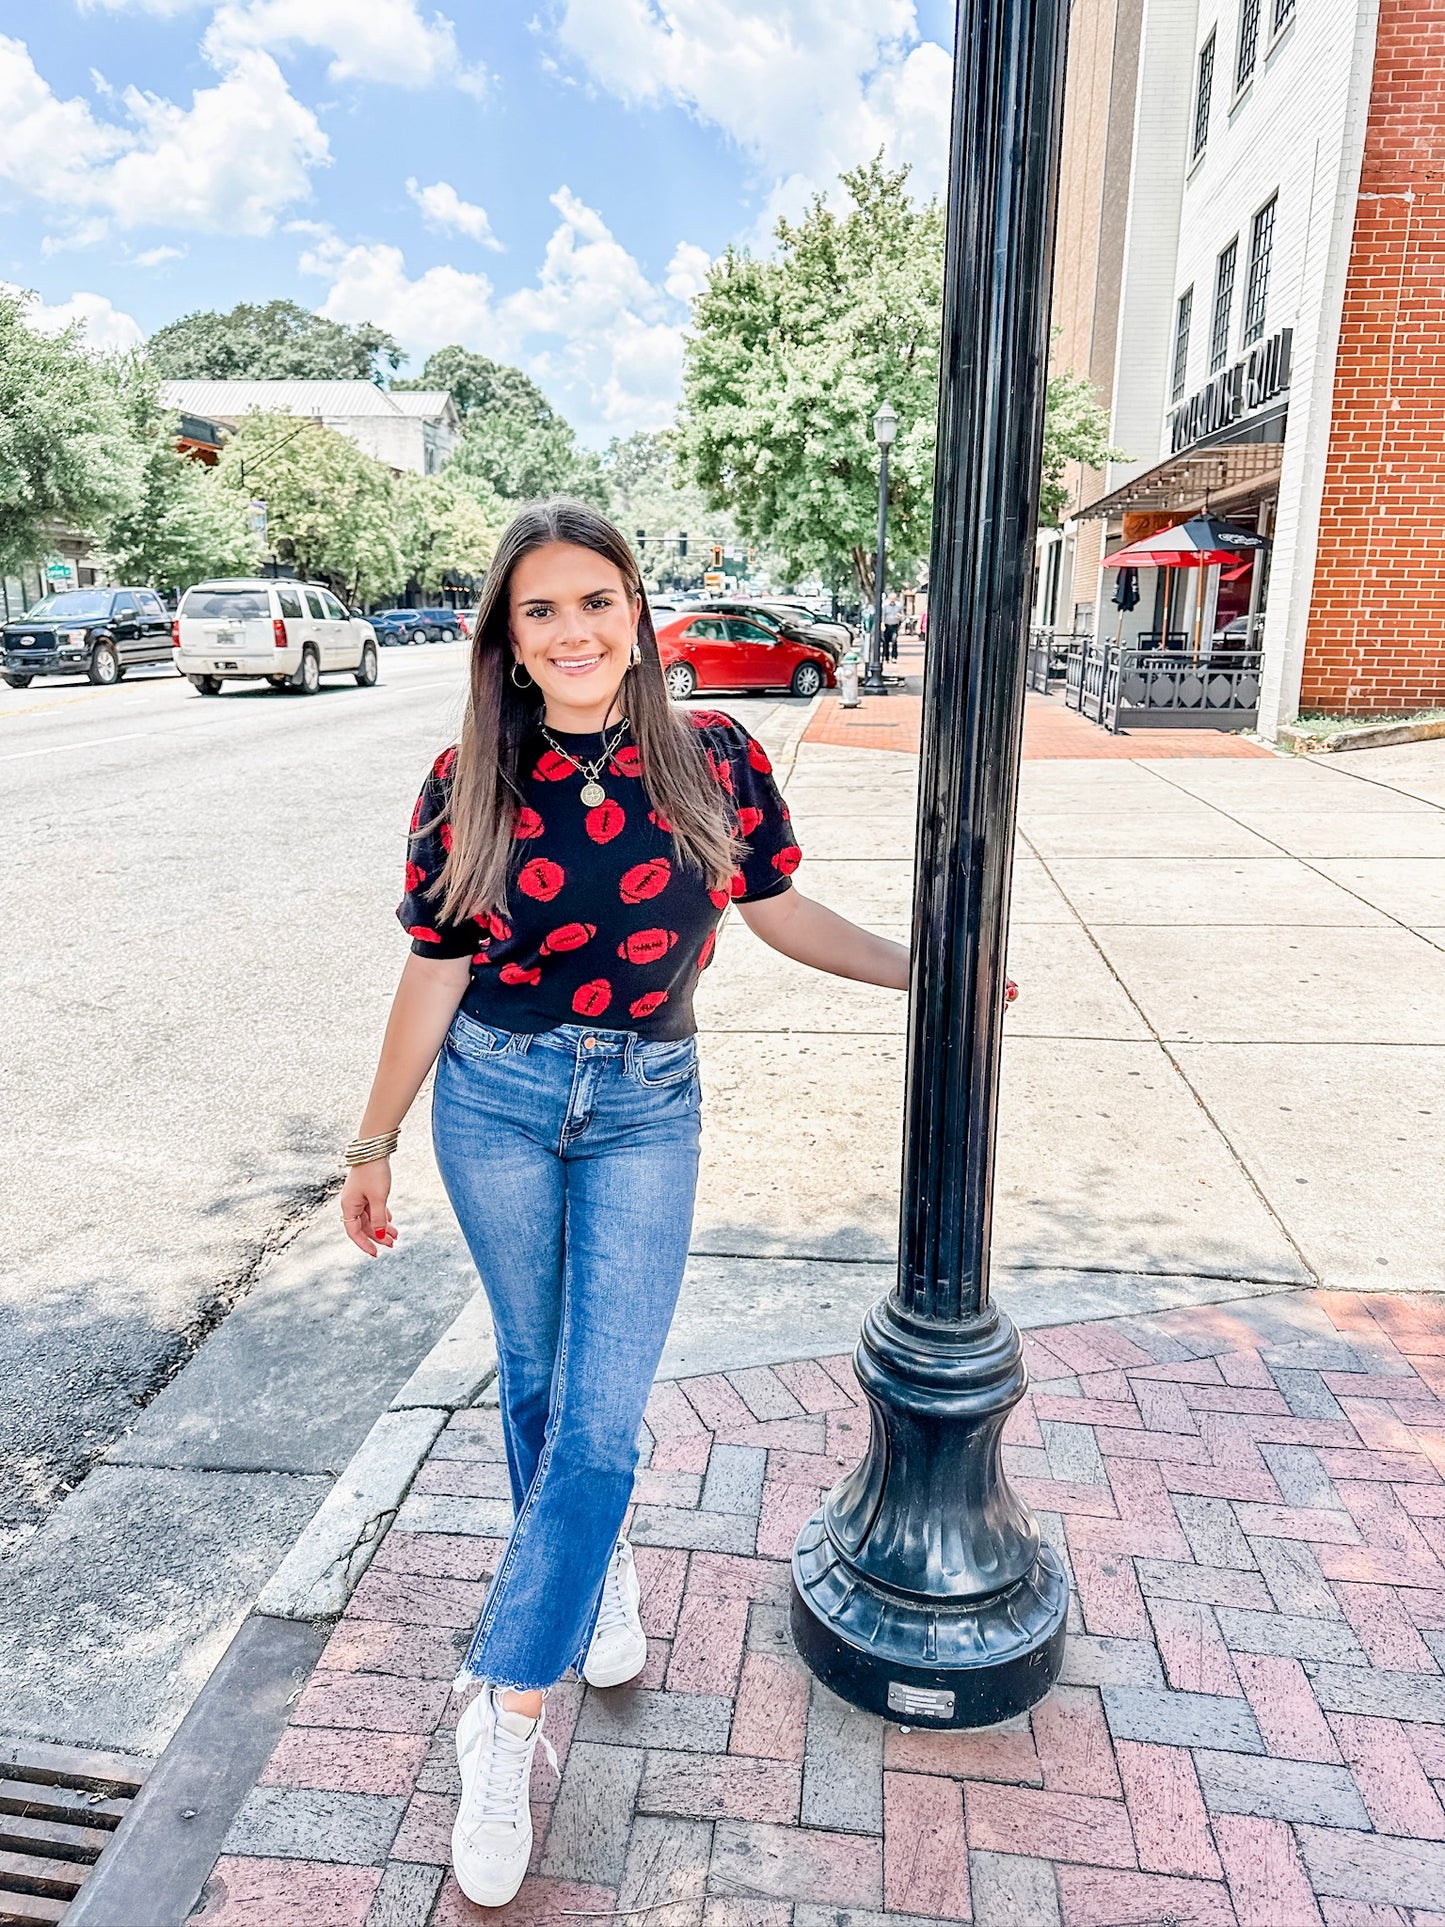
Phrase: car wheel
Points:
(18, 682)
(451, 635)
(417, 635)
(681, 681)
(104, 665)
(308, 677)
(366, 674)
(208, 685)
(807, 679)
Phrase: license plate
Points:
(225, 665)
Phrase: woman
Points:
(570, 861)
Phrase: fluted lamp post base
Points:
(921, 1588)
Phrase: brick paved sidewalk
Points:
(1251, 1727)
(1051, 732)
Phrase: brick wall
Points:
(1376, 635)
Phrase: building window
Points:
(1182, 317)
(1248, 42)
(1256, 291)
(1223, 307)
(1203, 89)
(1283, 13)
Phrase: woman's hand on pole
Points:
(364, 1210)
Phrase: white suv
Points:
(292, 633)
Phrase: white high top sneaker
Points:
(619, 1646)
(492, 1837)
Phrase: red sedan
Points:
(704, 651)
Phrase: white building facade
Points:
(411, 430)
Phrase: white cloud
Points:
(105, 326)
(603, 340)
(382, 40)
(442, 207)
(228, 163)
(804, 87)
(156, 257)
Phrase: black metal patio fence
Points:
(1123, 688)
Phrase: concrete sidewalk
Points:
(1250, 1728)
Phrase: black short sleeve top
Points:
(603, 925)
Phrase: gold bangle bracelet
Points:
(366, 1150)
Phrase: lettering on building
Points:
(1234, 393)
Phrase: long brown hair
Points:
(500, 718)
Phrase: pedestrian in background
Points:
(892, 620)
(569, 863)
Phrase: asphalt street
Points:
(198, 948)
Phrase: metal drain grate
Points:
(59, 1809)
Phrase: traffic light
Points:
(682, 544)
(642, 538)
(717, 555)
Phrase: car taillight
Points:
(175, 632)
(278, 630)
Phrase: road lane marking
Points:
(94, 742)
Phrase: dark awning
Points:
(1182, 481)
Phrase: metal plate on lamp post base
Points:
(921, 1588)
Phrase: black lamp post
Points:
(921, 1588)
(885, 428)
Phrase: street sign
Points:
(57, 569)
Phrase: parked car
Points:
(795, 619)
(289, 633)
(711, 650)
(99, 633)
(418, 625)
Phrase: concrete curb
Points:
(1372, 736)
(321, 1571)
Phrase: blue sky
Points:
(544, 181)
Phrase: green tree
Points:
(789, 359)
(1076, 429)
(514, 443)
(66, 454)
(443, 528)
(331, 509)
(181, 524)
(650, 492)
(274, 342)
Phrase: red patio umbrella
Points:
(1196, 544)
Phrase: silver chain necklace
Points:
(592, 791)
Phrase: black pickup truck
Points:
(99, 633)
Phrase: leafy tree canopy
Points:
(181, 523)
(514, 443)
(789, 359)
(276, 342)
(66, 454)
(331, 509)
(443, 528)
(651, 493)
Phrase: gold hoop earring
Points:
(636, 652)
(528, 684)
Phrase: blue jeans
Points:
(570, 1157)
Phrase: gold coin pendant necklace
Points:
(592, 791)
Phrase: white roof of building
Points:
(333, 400)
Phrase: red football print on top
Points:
(646, 946)
(417, 813)
(518, 974)
(528, 823)
(415, 877)
(446, 835)
(645, 1005)
(722, 770)
(646, 880)
(422, 934)
(497, 926)
(444, 765)
(788, 859)
(661, 822)
(738, 884)
(627, 761)
(606, 821)
(590, 1000)
(570, 936)
(552, 768)
(719, 899)
(749, 819)
(758, 757)
(704, 956)
(541, 878)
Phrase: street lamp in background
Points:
(921, 1589)
(885, 428)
